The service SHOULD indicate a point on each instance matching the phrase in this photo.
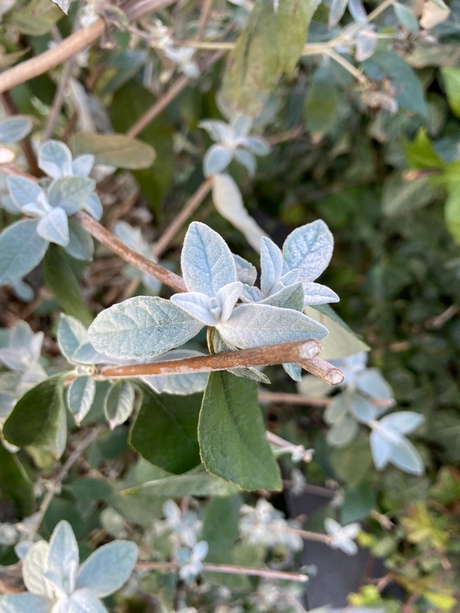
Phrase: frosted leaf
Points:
(309, 248)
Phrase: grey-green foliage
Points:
(49, 205)
(55, 581)
(144, 327)
(365, 396)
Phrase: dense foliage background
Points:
(373, 149)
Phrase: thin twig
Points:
(307, 535)
(58, 100)
(349, 67)
(287, 398)
(306, 455)
(168, 97)
(204, 18)
(300, 352)
(55, 485)
(174, 227)
(323, 370)
(70, 46)
(129, 255)
(228, 569)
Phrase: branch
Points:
(72, 45)
(168, 97)
(129, 255)
(300, 352)
(55, 485)
(228, 569)
(287, 398)
(281, 443)
(174, 227)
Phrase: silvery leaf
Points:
(381, 450)
(141, 327)
(119, 403)
(21, 249)
(342, 432)
(246, 272)
(9, 205)
(181, 385)
(258, 145)
(34, 567)
(81, 601)
(366, 44)
(55, 159)
(256, 325)
(315, 293)
(293, 370)
(23, 291)
(217, 130)
(22, 549)
(309, 248)
(80, 396)
(371, 382)
(94, 206)
(336, 12)
(406, 457)
(25, 603)
(14, 129)
(207, 262)
(54, 227)
(216, 159)
(80, 245)
(24, 192)
(63, 557)
(72, 336)
(197, 305)
(227, 297)
(406, 17)
(247, 160)
(271, 264)
(108, 568)
(363, 410)
(252, 294)
(241, 125)
(402, 422)
(71, 193)
(228, 201)
(82, 165)
(312, 386)
(290, 297)
(358, 12)
(336, 409)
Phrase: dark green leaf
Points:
(165, 430)
(231, 433)
(114, 150)
(61, 280)
(220, 523)
(357, 504)
(35, 418)
(156, 180)
(322, 102)
(14, 483)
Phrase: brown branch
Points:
(205, 14)
(174, 227)
(228, 569)
(323, 370)
(129, 255)
(36, 66)
(286, 398)
(300, 352)
(72, 45)
(58, 100)
(168, 97)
